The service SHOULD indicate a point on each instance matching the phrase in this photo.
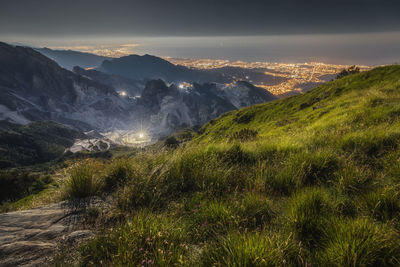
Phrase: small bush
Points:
(253, 249)
(16, 184)
(360, 242)
(351, 70)
(171, 142)
(84, 180)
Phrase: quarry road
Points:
(31, 237)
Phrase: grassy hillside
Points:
(36, 142)
(311, 180)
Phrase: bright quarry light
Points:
(122, 93)
(141, 135)
(184, 85)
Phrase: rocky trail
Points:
(31, 237)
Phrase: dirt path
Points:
(30, 237)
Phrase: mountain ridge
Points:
(71, 58)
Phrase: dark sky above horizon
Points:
(51, 22)
(197, 17)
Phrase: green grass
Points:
(360, 242)
(84, 180)
(147, 239)
(309, 214)
(310, 180)
(253, 249)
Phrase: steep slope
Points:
(33, 87)
(69, 58)
(356, 102)
(166, 108)
(309, 180)
(242, 94)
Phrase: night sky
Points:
(72, 23)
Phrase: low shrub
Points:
(345, 72)
(171, 142)
(16, 184)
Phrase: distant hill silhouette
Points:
(148, 67)
(151, 67)
(69, 58)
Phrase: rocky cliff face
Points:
(33, 87)
(166, 108)
(242, 94)
(120, 84)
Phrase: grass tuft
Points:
(360, 242)
(84, 181)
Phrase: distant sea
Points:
(360, 49)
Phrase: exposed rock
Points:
(33, 87)
(79, 235)
(30, 237)
(123, 85)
